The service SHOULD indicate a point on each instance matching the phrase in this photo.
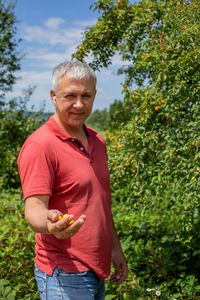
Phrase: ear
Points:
(53, 97)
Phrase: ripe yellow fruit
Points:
(65, 215)
(157, 108)
(119, 4)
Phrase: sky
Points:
(50, 32)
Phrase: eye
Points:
(70, 96)
(86, 96)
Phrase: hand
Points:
(61, 228)
(119, 263)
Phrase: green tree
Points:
(16, 124)
(119, 113)
(9, 57)
(16, 237)
(154, 156)
(99, 119)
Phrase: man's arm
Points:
(46, 221)
(118, 259)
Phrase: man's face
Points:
(74, 100)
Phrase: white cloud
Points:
(85, 23)
(54, 23)
(117, 61)
(106, 75)
(42, 81)
(53, 32)
(45, 36)
(44, 59)
(104, 99)
(100, 90)
(52, 43)
(35, 78)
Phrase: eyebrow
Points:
(75, 92)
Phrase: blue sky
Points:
(50, 31)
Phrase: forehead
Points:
(69, 83)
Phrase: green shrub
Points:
(15, 127)
(154, 164)
(153, 150)
(17, 250)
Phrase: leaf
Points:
(11, 297)
(110, 297)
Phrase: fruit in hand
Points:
(65, 215)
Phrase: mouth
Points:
(77, 114)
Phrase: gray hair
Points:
(74, 69)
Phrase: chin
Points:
(76, 123)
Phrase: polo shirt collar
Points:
(59, 132)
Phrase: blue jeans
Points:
(69, 286)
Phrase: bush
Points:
(154, 152)
(15, 127)
(17, 250)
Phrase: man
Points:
(63, 170)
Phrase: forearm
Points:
(118, 259)
(46, 221)
(36, 213)
(116, 246)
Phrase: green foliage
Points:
(101, 120)
(16, 124)
(16, 238)
(98, 120)
(153, 147)
(16, 251)
(153, 151)
(120, 113)
(9, 58)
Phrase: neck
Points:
(77, 132)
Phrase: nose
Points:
(78, 103)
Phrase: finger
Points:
(62, 229)
(116, 279)
(54, 224)
(74, 228)
(53, 215)
(66, 221)
(81, 219)
(119, 275)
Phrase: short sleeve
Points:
(36, 170)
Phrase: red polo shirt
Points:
(52, 162)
